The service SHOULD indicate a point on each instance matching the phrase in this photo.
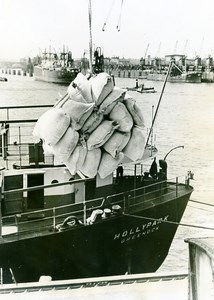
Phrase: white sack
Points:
(80, 89)
(91, 163)
(78, 112)
(116, 143)
(135, 147)
(134, 110)
(121, 115)
(52, 125)
(108, 164)
(117, 95)
(101, 85)
(92, 122)
(76, 159)
(101, 134)
(66, 145)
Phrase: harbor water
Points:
(185, 118)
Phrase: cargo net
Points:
(94, 128)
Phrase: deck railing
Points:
(48, 219)
(16, 133)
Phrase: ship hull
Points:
(191, 77)
(134, 242)
(63, 76)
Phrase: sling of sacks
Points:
(94, 128)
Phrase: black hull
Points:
(119, 244)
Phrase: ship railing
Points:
(16, 134)
(48, 219)
(149, 195)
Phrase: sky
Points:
(151, 27)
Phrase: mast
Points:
(90, 36)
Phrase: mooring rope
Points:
(204, 203)
(170, 222)
(200, 208)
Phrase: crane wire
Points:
(108, 15)
(119, 20)
(118, 27)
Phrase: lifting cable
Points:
(119, 20)
(109, 13)
(170, 222)
(108, 16)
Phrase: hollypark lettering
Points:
(140, 231)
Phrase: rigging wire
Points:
(170, 222)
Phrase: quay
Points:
(16, 72)
(143, 286)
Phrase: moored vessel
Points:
(56, 68)
(188, 77)
(180, 71)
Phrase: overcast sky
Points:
(29, 26)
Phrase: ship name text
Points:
(139, 231)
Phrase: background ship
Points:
(188, 77)
(56, 68)
(180, 71)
